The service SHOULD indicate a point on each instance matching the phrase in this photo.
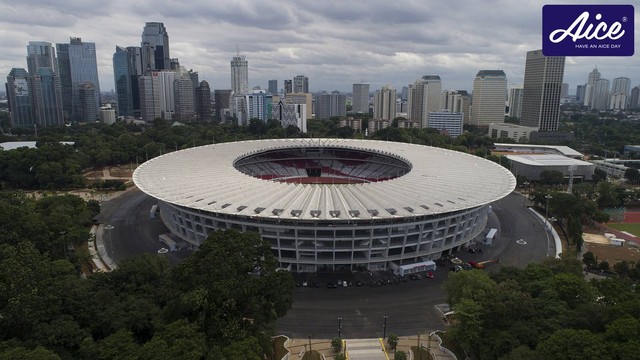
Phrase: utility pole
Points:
(384, 327)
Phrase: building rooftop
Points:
(437, 181)
(562, 150)
(546, 160)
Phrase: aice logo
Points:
(587, 30)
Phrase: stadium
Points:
(329, 204)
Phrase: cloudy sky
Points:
(334, 42)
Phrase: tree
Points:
(340, 357)
(400, 355)
(336, 344)
(467, 285)
(469, 326)
(573, 344)
(393, 340)
(589, 260)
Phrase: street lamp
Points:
(339, 327)
(384, 327)
(109, 228)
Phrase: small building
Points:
(537, 149)
(511, 131)
(531, 166)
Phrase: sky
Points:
(335, 43)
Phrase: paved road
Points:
(408, 306)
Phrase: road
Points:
(408, 306)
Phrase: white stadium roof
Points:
(440, 181)
(547, 160)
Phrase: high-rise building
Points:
(19, 98)
(46, 97)
(86, 102)
(183, 95)
(288, 87)
(273, 87)
(203, 101)
(620, 91)
(489, 95)
(149, 99)
(41, 54)
(601, 95)
(384, 103)
(360, 102)
(594, 76)
(155, 47)
(580, 92)
(291, 115)
(330, 105)
(163, 85)
(123, 76)
(634, 99)
(300, 99)
(222, 104)
(405, 93)
(515, 101)
(541, 91)
(447, 122)
(239, 75)
(564, 92)
(457, 101)
(424, 97)
(259, 105)
(300, 84)
(83, 70)
(64, 71)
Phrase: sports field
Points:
(633, 228)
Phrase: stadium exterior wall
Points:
(306, 246)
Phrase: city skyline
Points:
(332, 45)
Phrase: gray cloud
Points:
(333, 42)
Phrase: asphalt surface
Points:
(409, 306)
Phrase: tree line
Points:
(545, 311)
(220, 303)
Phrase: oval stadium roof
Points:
(440, 181)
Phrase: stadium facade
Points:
(328, 204)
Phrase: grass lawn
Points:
(633, 228)
(312, 355)
(420, 353)
(279, 349)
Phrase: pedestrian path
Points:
(365, 349)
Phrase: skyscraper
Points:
(259, 105)
(203, 101)
(489, 95)
(515, 101)
(541, 91)
(384, 103)
(620, 91)
(273, 87)
(239, 75)
(580, 92)
(46, 97)
(288, 86)
(155, 47)
(19, 98)
(222, 104)
(457, 101)
(83, 69)
(594, 76)
(360, 102)
(163, 86)
(88, 111)
(300, 84)
(40, 54)
(634, 100)
(149, 100)
(424, 97)
(122, 74)
(600, 95)
(331, 105)
(64, 71)
(183, 95)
